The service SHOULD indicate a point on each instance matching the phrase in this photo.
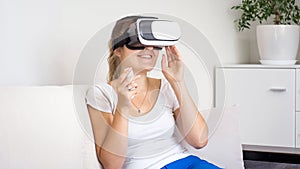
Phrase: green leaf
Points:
(262, 10)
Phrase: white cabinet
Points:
(266, 96)
(298, 129)
(298, 108)
(298, 90)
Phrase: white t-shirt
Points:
(152, 141)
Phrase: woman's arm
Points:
(188, 119)
(110, 133)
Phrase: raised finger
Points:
(169, 57)
(124, 74)
(126, 83)
(163, 62)
(171, 53)
(175, 52)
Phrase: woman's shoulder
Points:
(100, 87)
(102, 91)
(102, 97)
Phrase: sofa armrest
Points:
(224, 146)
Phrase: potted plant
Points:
(277, 42)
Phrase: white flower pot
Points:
(278, 44)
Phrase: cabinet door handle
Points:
(278, 89)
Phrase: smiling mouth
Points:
(145, 56)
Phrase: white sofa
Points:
(48, 127)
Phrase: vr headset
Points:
(149, 31)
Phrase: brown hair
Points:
(113, 61)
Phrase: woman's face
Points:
(140, 60)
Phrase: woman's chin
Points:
(145, 69)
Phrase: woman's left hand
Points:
(173, 70)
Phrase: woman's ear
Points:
(117, 52)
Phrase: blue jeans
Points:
(190, 162)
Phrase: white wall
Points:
(40, 41)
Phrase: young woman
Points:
(138, 121)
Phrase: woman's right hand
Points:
(125, 89)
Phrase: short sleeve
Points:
(175, 100)
(102, 97)
(171, 95)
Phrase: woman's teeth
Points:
(146, 56)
